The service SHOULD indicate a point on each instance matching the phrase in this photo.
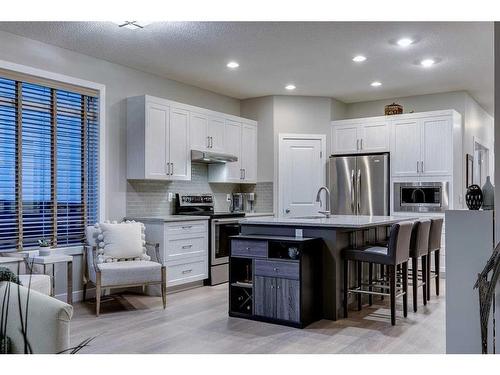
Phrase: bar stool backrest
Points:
(435, 234)
(399, 242)
(419, 244)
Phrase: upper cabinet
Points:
(161, 134)
(359, 136)
(207, 132)
(157, 140)
(241, 141)
(422, 146)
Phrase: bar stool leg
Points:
(414, 281)
(405, 289)
(359, 275)
(392, 291)
(428, 276)
(382, 277)
(370, 281)
(346, 286)
(424, 278)
(436, 267)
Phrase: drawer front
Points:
(289, 270)
(249, 248)
(187, 271)
(186, 228)
(180, 247)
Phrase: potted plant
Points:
(43, 247)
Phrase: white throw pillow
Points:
(121, 241)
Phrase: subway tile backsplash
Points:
(150, 198)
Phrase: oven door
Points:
(220, 247)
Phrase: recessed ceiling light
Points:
(404, 42)
(376, 84)
(427, 63)
(290, 87)
(132, 25)
(232, 65)
(359, 58)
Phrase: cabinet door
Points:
(198, 124)
(374, 137)
(179, 152)
(216, 133)
(265, 296)
(157, 119)
(437, 146)
(405, 148)
(232, 132)
(345, 139)
(288, 300)
(249, 153)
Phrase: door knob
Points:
(287, 211)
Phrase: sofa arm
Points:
(48, 323)
(156, 247)
(90, 260)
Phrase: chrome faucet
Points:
(327, 212)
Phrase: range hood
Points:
(209, 157)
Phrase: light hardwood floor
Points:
(196, 321)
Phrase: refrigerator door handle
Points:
(358, 188)
(353, 185)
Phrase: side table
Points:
(53, 260)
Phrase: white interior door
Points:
(302, 172)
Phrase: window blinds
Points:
(49, 164)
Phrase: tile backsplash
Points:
(150, 198)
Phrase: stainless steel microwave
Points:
(421, 196)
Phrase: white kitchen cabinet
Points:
(422, 147)
(360, 136)
(241, 141)
(183, 248)
(157, 140)
(207, 132)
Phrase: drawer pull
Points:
(187, 227)
(276, 269)
(247, 248)
(187, 246)
(187, 271)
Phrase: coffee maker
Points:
(249, 202)
(237, 202)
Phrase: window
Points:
(49, 162)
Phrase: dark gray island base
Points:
(336, 233)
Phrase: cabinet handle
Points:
(357, 144)
(241, 174)
(187, 246)
(211, 142)
(276, 269)
(361, 143)
(187, 227)
(172, 171)
(187, 271)
(417, 167)
(244, 173)
(168, 169)
(208, 142)
(272, 286)
(247, 248)
(278, 287)
(422, 169)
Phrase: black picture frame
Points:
(469, 170)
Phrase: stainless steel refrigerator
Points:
(359, 184)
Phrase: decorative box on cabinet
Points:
(267, 284)
(157, 140)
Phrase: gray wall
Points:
(121, 82)
(262, 110)
(497, 131)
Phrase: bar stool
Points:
(396, 253)
(434, 247)
(419, 248)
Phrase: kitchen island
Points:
(337, 233)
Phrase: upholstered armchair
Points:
(117, 257)
(48, 321)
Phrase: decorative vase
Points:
(474, 197)
(44, 251)
(293, 253)
(5, 345)
(488, 195)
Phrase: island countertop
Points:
(334, 221)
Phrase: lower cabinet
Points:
(275, 279)
(277, 298)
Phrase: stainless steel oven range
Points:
(222, 225)
(421, 196)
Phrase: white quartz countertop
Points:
(167, 218)
(258, 214)
(334, 221)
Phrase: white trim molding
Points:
(25, 69)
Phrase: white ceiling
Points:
(315, 56)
